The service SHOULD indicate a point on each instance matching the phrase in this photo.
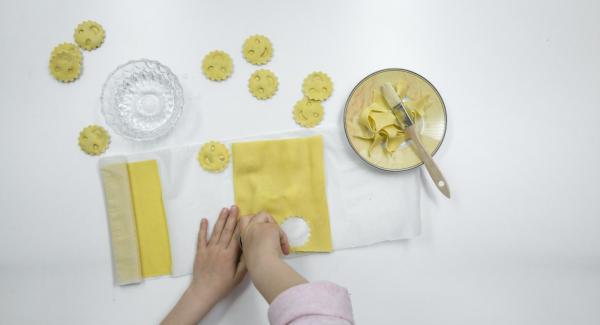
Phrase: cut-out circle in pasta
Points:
(308, 113)
(263, 84)
(317, 86)
(94, 140)
(297, 231)
(89, 35)
(217, 65)
(213, 156)
(257, 49)
(65, 62)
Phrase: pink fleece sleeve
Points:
(312, 303)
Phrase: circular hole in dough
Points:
(297, 231)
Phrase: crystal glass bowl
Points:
(142, 100)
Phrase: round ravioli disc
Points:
(308, 113)
(65, 62)
(213, 156)
(263, 84)
(317, 86)
(217, 65)
(94, 140)
(257, 49)
(89, 35)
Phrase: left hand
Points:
(218, 266)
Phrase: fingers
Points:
(202, 234)
(263, 217)
(285, 244)
(245, 221)
(267, 218)
(230, 226)
(240, 270)
(218, 228)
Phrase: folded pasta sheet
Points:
(137, 223)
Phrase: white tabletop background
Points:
(519, 243)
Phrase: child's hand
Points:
(264, 243)
(218, 266)
(262, 238)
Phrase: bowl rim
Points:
(346, 113)
(178, 89)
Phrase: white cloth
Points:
(366, 205)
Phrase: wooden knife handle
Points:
(433, 170)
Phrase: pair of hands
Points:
(220, 265)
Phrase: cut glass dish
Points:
(142, 100)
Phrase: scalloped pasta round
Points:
(89, 35)
(257, 49)
(317, 86)
(217, 65)
(65, 62)
(213, 156)
(308, 113)
(263, 84)
(94, 140)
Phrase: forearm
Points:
(271, 276)
(190, 309)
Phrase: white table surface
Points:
(519, 243)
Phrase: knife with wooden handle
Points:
(392, 98)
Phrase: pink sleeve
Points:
(312, 303)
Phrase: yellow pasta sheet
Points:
(151, 223)
(285, 178)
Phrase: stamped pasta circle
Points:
(65, 62)
(263, 84)
(89, 35)
(94, 140)
(257, 49)
(317, 86)
(308, 113)
(213, 156)
(217, 65)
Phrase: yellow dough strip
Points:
(151, 223)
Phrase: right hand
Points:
(262, 238)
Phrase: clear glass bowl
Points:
(142, 100)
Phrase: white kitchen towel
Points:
(366, 205)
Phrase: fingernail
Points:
(234, 207)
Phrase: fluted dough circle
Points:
(89, 35)
(94, 140)
(213, 156)
(257, 49)
(317, 86)
(217, 65)
(263, 84)
(308, 113)
(65, 62)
